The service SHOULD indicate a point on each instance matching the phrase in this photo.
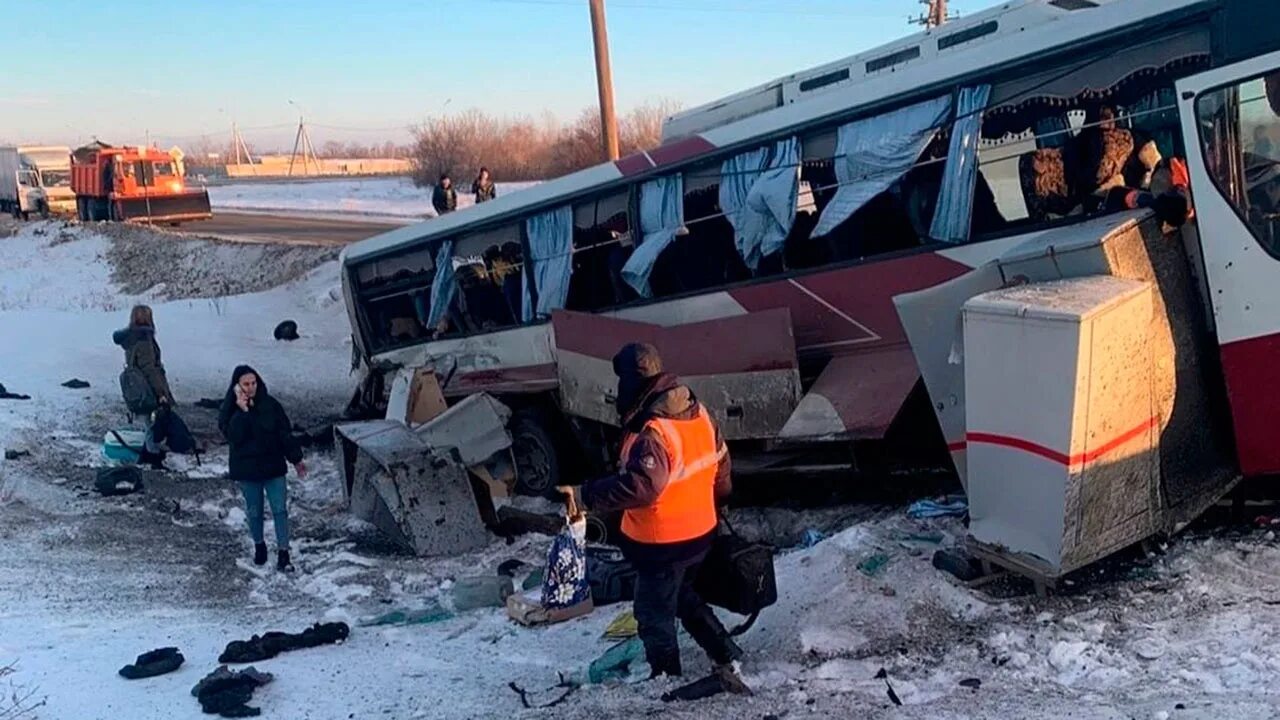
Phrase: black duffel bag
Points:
(612, 578)
(738, 576)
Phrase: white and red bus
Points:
(763, 245)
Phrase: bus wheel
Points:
(537, 462)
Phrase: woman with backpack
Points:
(262, 447)
(145, 388)
(142, 354)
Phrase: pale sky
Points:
(364, 71)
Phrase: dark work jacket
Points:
(484, 192)
(644, 472)
(261, 440)
(142, 352)
(444, 201)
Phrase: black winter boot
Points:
(282, 561)
(260, 554)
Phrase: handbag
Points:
(737, 576)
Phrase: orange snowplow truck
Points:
(133, 184)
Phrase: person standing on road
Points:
(483, 187)
(261, 441)
(674, 470)
(444, 198)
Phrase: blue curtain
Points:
(661, 215)
(737, 176)
(550, 262)
(758, 196)
(445, 286)
(953, 217)
(873, 153)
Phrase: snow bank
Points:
(387, 197)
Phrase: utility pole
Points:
(604, 80)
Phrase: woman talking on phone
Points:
(262, 446)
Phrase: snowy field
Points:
(87, 583)
(376, 197)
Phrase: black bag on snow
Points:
(612, 578)
(118, 480)
(738, 576)
(138, 395)
(169, 428)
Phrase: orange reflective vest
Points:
(686, 508)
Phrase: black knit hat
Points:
(637, 361)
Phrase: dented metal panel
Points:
(743, 368)
(856, 397)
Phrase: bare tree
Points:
(524, 148)
(17, 702)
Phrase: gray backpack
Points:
(139, 397)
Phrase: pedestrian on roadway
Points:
(444, 198)
(261, 440)
(483, 187)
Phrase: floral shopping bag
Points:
(565, 583)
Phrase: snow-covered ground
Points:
(378, 197)
(88, 583)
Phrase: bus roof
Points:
(921, 64)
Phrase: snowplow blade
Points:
(193, 205)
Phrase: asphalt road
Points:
(286, 229)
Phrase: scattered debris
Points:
(271, 644)
(16, 454)
(568, 687)
(616, 662)
(153, 663)
(893, 696)
(873, 564)
(6, 395)
(287, 330)
(511, 567)
(811, 537)
(485, 591)
(949, 506)
(114, 481)
(513, 522)
(432, 613)
(623, 626)
(723, 679)
(227, 693)
(960, 565)
(971, 683)
(75, 384)
(209, 403)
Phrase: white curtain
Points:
(661, 215)
(954, 215)
(758, 196)
(550, 263)
(873, 153)
(445, 285)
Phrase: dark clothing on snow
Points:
(271, 644)
(152, 664)
(261, 439)
(227, 693)
(142, 352)
(444, 200)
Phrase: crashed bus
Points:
(933, 251)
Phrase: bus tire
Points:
(537, 460)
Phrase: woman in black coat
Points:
(262, 446)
